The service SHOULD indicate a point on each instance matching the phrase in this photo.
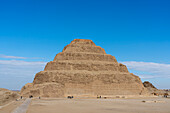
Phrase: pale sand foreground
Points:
(64, 105)
(99, 106)
(10, 107)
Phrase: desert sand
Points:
(8, 108)
(63, 105)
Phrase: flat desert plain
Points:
(142, 105)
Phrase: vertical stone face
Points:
(84, 69)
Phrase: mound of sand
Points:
(7, 96)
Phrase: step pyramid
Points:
(83, 69)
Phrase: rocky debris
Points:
(150, 86)
(147, 84)
(153, 90)
(84, 69)
(7, 96)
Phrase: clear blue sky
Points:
(130, 30)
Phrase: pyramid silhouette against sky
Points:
(83, 69)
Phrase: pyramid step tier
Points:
(85, 65)
(84, 56)
(85, 77)
(83, 46)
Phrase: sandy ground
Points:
(161, 105)
(23, 107)
(151, 105)
(11, 106)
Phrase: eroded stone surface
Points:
(153, 90)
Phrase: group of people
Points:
(30, 97)
(70, 97)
